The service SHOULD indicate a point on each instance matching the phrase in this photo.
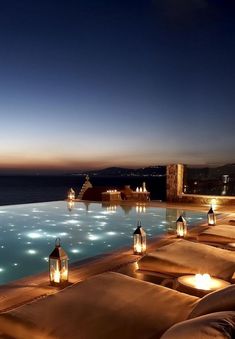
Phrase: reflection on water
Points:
(28, 232)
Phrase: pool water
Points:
(28, 232)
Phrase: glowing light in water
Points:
(32, 251)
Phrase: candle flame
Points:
(203, 281)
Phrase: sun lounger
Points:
(185, 257)
(115, 306)
(221, 234)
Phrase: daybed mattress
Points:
(107, 306)
(221, 234)
(186, 257)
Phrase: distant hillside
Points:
(119, 171)
(206, 173)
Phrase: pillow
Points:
(221, 300)
(220, 325)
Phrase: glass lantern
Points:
(211, 218)
(181, 227)
(58, 265)
(139, 240)
(71, 194)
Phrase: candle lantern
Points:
(139, 240)
(181, 227)
(211, 218)
(58, 265)
(71, 194)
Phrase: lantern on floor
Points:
(58, 265)
(71, 194)
(181, 227)
(211, 218)
(139, 240)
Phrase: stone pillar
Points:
(174, 182)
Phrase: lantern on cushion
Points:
(58, 265)
(139, 240)
(211, 218)
(181, 227)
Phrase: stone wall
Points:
(174, 182)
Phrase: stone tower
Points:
(174, 182)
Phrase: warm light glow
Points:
(180, 232)
(110, 209)
(139, 241)
(203, 281)
(140, 209)
(70, 205)
(138, 248)
(71, 194)
(181, 227)
(211, 217)
(64, 275)
(214, 204)
(56, 276)
(58, 264)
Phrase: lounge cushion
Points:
(222, 234)
(222, 300)
(186, 257)
(107, 306)
(219, 325)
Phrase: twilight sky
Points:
(97, 83)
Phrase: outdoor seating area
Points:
(113, 304)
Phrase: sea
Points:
(22, 189)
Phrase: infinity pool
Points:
(28, 232)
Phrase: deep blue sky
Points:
(96, 83)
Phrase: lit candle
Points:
(138, 248)
(203, 281)
(56, 276)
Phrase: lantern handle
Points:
(57, 242)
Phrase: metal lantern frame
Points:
(211, 218)
(58, 265)
(139, 237)
(181, 227)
